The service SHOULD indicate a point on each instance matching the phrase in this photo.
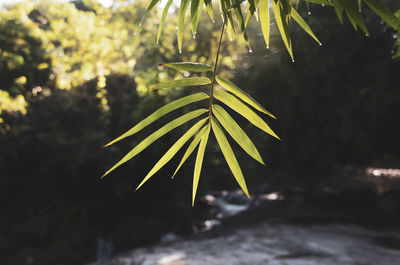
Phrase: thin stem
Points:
(215, 66)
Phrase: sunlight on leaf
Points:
(199, 162)
(228, 85)
(181, 22)
(189, 66)
(163, 17)
(243, 110)
(191, 148)
(156, 135)
(283, 27)
(176, 104)
(264, 20)
(296, 16)
(229, 155)
(173, 150)
(152, 4)
(190, 81)
(236, 132)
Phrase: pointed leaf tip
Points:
(173, 150)
(232, 88)
(229, 155)
(157, 134)
(176, 104)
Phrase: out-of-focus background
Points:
(76, 74)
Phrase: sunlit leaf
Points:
(190, 81)
(163, 17)
(181, 22)
(228, 85)
(189, 66)
(209, 8)
(173, 150)
(199, 162)
(191, 148)
(176, 104)
(283, 27)
(151, 5)
(381, 10)
(321, 2)
(229, 155)
(243, 110)
(236, 132)
(196, 8)
(239, 17)
(296, 16)
(264, 20)
(156, 135)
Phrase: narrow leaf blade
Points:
(176, 104)
(156, 135)
(189, 66)
(173, 150)
(236, 132)
(243, 110)
(264, 20)
(302, 23)
(181, 22)
(384, 12)
(151, 5)
(163, 17)
(228, 85)
(190, 81)
(229, 155)
(199, 162)
(191, 148)
(282, 27)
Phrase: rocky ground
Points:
(278, 244)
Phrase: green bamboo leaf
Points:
(157, 134)
(151, 5)
(196, 8)
(359, 5)
(339, 11)
(163, 17)
(252, 7)
(199, 162)
(223, 4)
(264, 20)
(236, 132)
(176, 104)
(173, 150)
(321, 2)
(228, 85)
(228, 154)
(189, 66)
(191, 148)
(239, 15)
(283, 27)
(243, 110)
(189, 81)
(381, 10)
(209, 9)
(296, 16)
(355, 17)
(181, 22)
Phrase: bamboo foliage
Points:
(216, 119)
